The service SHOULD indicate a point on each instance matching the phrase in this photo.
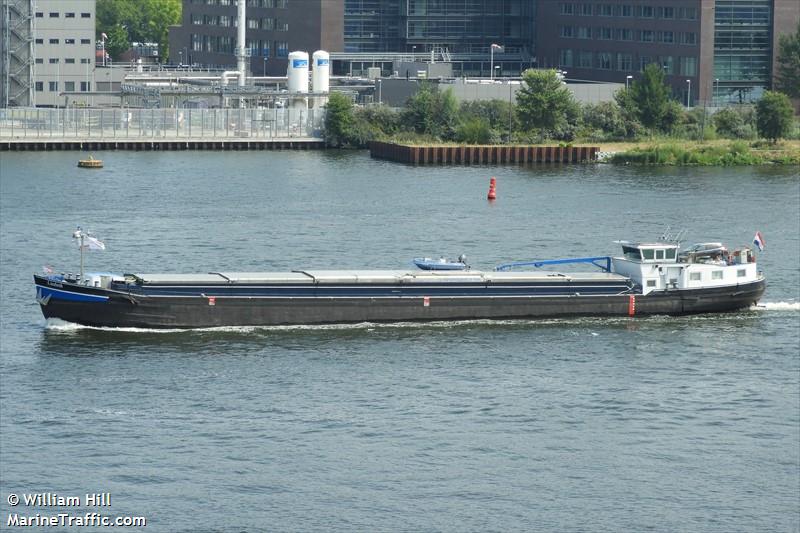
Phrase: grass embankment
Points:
(713, 153)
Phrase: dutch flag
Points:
(758, 240)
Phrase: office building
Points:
(712, 51)
(207, 34)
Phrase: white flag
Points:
(93, 244)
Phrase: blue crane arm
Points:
(538, 264)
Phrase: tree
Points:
(545, 103)
(651, 97)
(118, 41)
(788, 78)
(338, 120)
(475, 131)
(432, 112)
(734, 123)
(144, 20)
(774, 115)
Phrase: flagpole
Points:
(81, 278)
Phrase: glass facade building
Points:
(742, 50)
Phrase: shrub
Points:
(475, 131)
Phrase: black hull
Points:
(124, 310)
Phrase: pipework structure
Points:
(16, 53)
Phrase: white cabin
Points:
(660, 266)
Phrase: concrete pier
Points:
(481, 154)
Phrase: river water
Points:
(662, 424)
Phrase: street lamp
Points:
(492, 48)
(689, 94)
(265, 66)
(628, 79)
(496, 71)
(180, 57)
(379, 91)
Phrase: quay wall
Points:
(481, 154)
(160, 145)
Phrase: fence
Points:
(166, 123)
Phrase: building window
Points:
(69, 86)
(626, 11)
(86, 41)
(695, 276)
(281, 49)
(39, 15)
(281, 26)
(53, 41)
(565, 31)
(689, 66)
(644, 61)
(567, 9)
(53, 15)
(668, 64)
(689, 37)
(39, 61)
(197, 20)
(605, 34)
(69, 15)
(647, 36)
(69, 60)
(667, 37)
(689, 13)
(69, 41)
(585, 10)
(647, 12)
(280, 4)
(53, 60)
(625, 64)
(716, 274)
(268, 23)
(667, 12)
(585, 59)
(86, 15)
(84, 86)
(52, 86)
(584, 32)
(624, 34)
(605, 10)
(84, 61)
(39, 86)
(565, 58)
(39, 41)
(604, 60)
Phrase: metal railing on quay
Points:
(160, 123)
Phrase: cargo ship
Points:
(646, 278)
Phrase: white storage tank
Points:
(321, 73)
(297, 72)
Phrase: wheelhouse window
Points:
(648, 254)
(695, 276)
(671, 252)
(741, 273)
(716, 274)
(659, 254)
(631, 253)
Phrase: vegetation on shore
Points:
(545, 112)
(726, 153)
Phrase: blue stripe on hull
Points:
(45, 293)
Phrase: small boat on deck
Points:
(90, 163)
(647, 278)
(426, 263)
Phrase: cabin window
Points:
(648, 254)
(716, 274)
(651, 283)
(671, 253)
(631, 253)
(695, 276)
(659, 254)
(741, 273)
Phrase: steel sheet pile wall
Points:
(481, 154)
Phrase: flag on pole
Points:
(92, 243)
(104, 36)
(47, 269)
(759, 241)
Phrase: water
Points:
(664, 424)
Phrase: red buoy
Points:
(492, 189)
